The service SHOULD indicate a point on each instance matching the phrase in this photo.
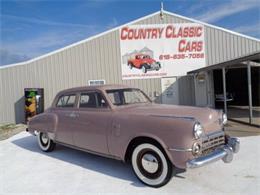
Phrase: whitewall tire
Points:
(45, 143)
(151, 165)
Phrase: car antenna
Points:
(161, 11)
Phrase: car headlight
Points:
(224, 119)
(197, 130)
(196, 148)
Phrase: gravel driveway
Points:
(24, 169)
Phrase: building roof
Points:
(234, 63)
(130, 23)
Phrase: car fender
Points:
(45, 122)
(154, 137)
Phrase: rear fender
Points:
(45, 122)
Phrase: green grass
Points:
(7, 126)
(9, 129)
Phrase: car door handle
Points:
(73, 115)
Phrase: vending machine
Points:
(34, 102)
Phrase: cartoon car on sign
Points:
(144, 62)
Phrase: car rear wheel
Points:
(151, 165)
(130, 66)
(45, 143)
(159, 66)
(144, 70)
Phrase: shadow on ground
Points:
(92, 162)
(236, 129)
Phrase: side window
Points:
(87, 100)
(92, 100)
(67, 101)
(115, 97)
(132, 97)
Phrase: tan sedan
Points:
(121, 122)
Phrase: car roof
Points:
(94, 87)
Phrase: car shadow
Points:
(89, 161)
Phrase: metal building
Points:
(98, 58)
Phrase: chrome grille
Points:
(212, 141)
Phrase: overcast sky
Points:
(30, 28)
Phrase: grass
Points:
(9, 129)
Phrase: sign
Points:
(161, 50)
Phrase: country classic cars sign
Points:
(161, 50)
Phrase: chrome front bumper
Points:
(225, 153)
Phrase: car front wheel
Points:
(144, 70)
(150, 165)
(45, 143)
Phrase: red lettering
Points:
(186, 32)
(200, 45)
(130, 34)
(199, 31)
(123, 35)
(168, 31)
(154, 33)
(182, 45)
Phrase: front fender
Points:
(170, 133)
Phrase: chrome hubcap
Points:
(150, 163)
(45, 138)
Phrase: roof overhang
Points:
(253, 59)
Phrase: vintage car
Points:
(121, 122)
(144, 62)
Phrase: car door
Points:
(94, 120)
(138, 62)
(65, 111)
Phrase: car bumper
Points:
(225, 153)
(35, 133)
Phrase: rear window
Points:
(66, 101)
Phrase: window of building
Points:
(96, 82)
(66, 101)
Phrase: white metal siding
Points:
(99, 58)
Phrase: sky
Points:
(31, 28)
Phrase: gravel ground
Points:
(24, 169)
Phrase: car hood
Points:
(150, 61)
(208, 117)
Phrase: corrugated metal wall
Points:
(99, 58)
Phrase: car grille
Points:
(212, 141)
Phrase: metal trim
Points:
(178, 117)
(213, 134)
(180, 149)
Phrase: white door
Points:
(170, 93)
(204, 89)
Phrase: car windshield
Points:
(127, 96)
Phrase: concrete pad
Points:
(24, 169)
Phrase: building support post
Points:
(249, 92)
(224, 89)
